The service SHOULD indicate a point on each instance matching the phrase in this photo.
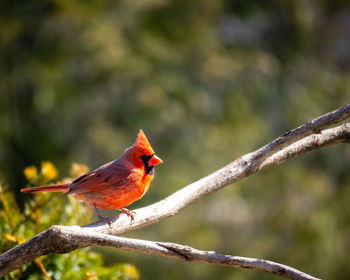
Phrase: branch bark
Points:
(298, 141)
(242, 167)
(61, 239)
(339, 134)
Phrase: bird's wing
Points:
(110, 176)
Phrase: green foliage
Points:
(46, 209)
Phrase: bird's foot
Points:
(105, 220)
(131, 214)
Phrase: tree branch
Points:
(339, 134)
(65, 239)
(240, 168)
(278, 151)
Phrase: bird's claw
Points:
(130, 213)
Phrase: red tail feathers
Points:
(51, 188)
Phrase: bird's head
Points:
(142, 153)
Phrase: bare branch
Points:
(62, 239)
(276, 152)
(240, 168)
(339, 134)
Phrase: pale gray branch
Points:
(276, 152)
(339, 134)
(62, 239)
(240, 168)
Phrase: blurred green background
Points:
(207, 81)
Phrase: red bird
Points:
(116, 184)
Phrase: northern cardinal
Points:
(116, 184)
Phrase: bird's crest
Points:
(143, 144)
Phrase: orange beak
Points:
(154, 161)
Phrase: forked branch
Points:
(64, 239)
